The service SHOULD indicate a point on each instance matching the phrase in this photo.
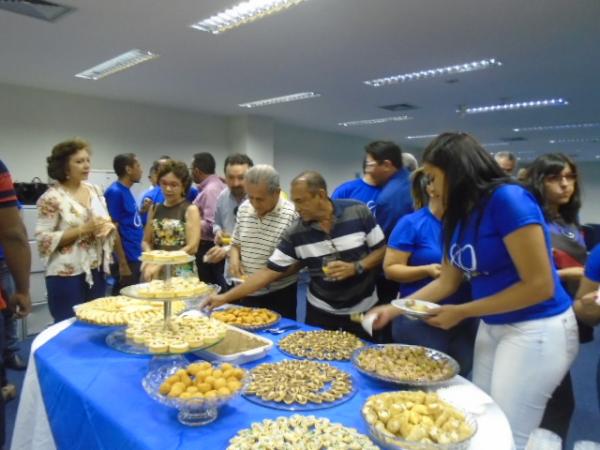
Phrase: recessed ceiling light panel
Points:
(121, 62)
(513, 106)
(568, 126)
(441, 71)
(283, 99)
(356, 123)
(242, 13)
(422, 136)
(574, 141)
(495, 144)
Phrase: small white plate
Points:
(423, 309)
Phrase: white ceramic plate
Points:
(417, 309)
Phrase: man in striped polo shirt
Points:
(341, 232)
(260, 222)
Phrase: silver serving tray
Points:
(431, 353)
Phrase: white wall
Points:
(253, 135)
(33, 120)
(337, 157)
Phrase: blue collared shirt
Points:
(393, 202)
(227, 206)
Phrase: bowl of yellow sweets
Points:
(197, 390)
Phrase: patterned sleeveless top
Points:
(168, 226)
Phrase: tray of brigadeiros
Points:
(121, 310)
(323, 345)
(417, 420)
(247, 318)
(300, 432)
(179, 335)
(174, 288)
(405, 364)
(166, 257)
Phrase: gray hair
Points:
(409, 161)
(263, 173)
(507, 155)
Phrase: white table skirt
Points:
(32, 429)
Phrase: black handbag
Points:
(28, 193)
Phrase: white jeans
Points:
(520, 365)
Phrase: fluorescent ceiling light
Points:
(242, 13)
(558, 127)
(513, 106)
(495, 144)
(573, 140)
(121, 62)
(441, 71)
(284, 99)
(422, 136)
(374, 121)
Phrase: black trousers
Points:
(319, 318)
(210, 273)
(284, 301)
(560, 408)
(134, 266)
(387, 291)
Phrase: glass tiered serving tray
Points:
(139, 339)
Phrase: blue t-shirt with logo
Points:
(123, 210)
(592, 266)
(478, 249)
(420, 234)
(394, 201)
(358, 190)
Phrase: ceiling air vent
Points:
(38, 9)
(513, 139)
(399, 107)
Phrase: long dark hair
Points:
(554, 164)
(471, 175)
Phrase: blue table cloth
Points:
(95, 400)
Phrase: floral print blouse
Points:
(59, 211)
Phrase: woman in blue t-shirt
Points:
(587, 305)
(494, 233)
(553, 180)
(413, 258)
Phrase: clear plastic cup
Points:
(326, 260)
(541, 439)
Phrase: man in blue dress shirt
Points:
(123, 210)
(383, 163)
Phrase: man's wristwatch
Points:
(359, 268)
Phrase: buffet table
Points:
(81, 394)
